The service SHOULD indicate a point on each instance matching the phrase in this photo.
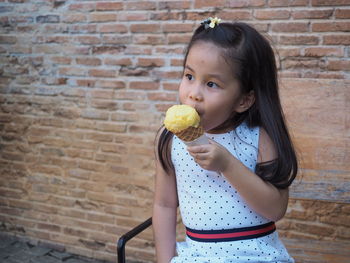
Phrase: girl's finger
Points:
(196, 149)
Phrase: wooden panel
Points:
(323, 153)
(317, 112)
(312, 251)
(317, 108)
(322, 185)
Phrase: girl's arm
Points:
(164, 215)
(261, 196)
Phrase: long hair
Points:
(252, 61)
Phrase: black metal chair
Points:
(129, 235)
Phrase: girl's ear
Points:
(246, 101)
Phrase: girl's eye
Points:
(189, 76)
(211, 84)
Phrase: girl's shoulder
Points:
(249, 134)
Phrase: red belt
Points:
(231, 234)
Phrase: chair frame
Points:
(129, 235)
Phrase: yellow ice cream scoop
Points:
(181, 117)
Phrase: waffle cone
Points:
(190, 134)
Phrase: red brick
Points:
(113, 84)
(342, 13)
(74, 232)
(162, 96)
(117, 39)
(102, 17)
(171, 5)
(104, 104)
(88, 61)
(177, 62)
(118, 61)
(150, 62)
(338, 65)
(149, 39)
(177, 27)
(114, 148)
(54, 81)
(95, 115)
(113, 28)
(135, 107)
(125, 116)
(145, 28)
(8, 39)
(130, 71)
(85, 82)
(245, 3)
(131, 95)
(289, 52)
(109, 6)
(136, 5)
(72, 71)
(83, 28)
(162, 74)
(49, 227)
(94, 166)
(88, 40)
(323, 51)
(145, 85)
(74, 18)
(174, 15)
(209, 3)
(271, 14)
(61, 60)
(115, 49)
(103, 197)
(137, 16)
(296, 63)
(329, 2)
(110, 127)
(299, 40)
(290, 27)
(323, 75)
(288, 3)
(181, 38)
(236, 14)
(136, 50)
(82, 7)
(312, 14)
(331, 27)
(336, 39)
(102, 73)
(102, 93)
(171, 86)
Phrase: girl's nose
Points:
(196, 95)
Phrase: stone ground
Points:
(14, 250)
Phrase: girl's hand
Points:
(212, 156)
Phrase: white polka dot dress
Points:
(209, 202)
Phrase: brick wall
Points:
(83, 89)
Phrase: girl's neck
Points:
(223, 128)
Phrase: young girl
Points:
(232, 190)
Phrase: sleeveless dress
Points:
(208, 201)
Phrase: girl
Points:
(232, 190)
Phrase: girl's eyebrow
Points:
(217, 76)
(188, 67)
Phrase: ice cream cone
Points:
(190, 134)
(184, 122)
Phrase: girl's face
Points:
(209, 86)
